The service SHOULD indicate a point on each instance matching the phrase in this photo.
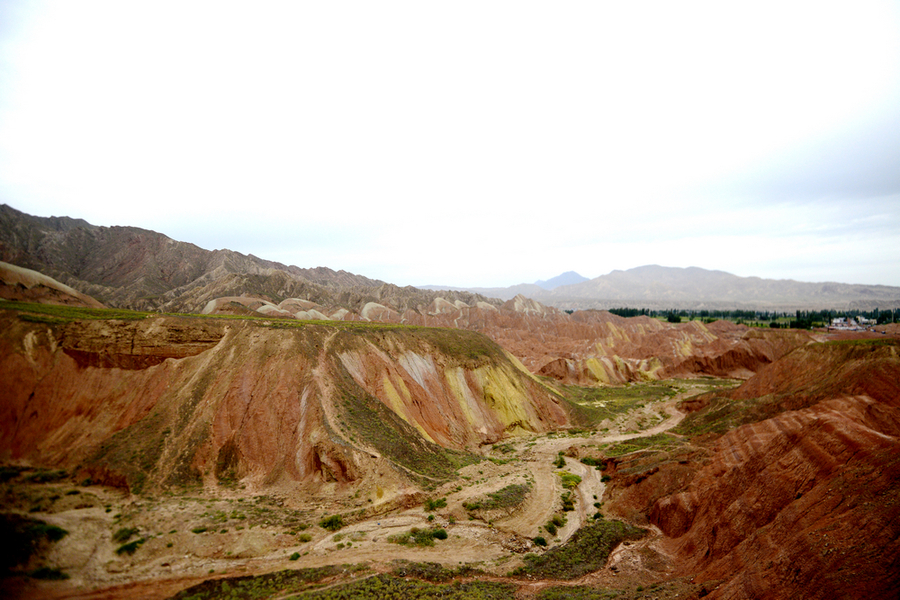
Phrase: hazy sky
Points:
(468, 143)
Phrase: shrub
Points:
(294, 556)
(569, 480)
(130, 547)
(124, 534)
(304, 537)
(332, 523)
(48, 573)
(418, 537)
(432, 504)
(540, 541)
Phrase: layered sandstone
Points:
(167, 401)
(800, 501)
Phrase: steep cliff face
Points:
(802, 499)
(170, 401)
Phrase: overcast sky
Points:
(468, 143)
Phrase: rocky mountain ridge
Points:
(661, 288)
(134, 268)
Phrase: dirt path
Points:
(544, 500)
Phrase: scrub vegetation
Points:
(585, 552)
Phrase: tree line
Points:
(801, 319)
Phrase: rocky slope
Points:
(800, 499)
(167, 401)
(134, 268)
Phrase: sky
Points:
(468, 143)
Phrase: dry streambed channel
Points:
(530, 496)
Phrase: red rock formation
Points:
(168, 400)
(587, 347)
(803, 500)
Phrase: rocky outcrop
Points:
(164, 401)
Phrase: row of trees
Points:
(801, 319)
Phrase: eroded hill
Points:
(785, 487)
(163, 401)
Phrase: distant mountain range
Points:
(134, 268)
(140, 269)
(567, 278)
(657, 287)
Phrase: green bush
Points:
(332, 523)
(130, 547)
(569, 480)
(418, 537)
(540, 541)
(48, 573)
(387, 586)
(124, 534)
(432, 504)
(294, 556)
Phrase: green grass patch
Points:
(54, 313)
(418, 537)
(259, 586)
(570, 481)
(507, 497)
(593, 404)
(584, 553)
(431, 571)
(577, 592)
(658, 442)
(395, 588)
